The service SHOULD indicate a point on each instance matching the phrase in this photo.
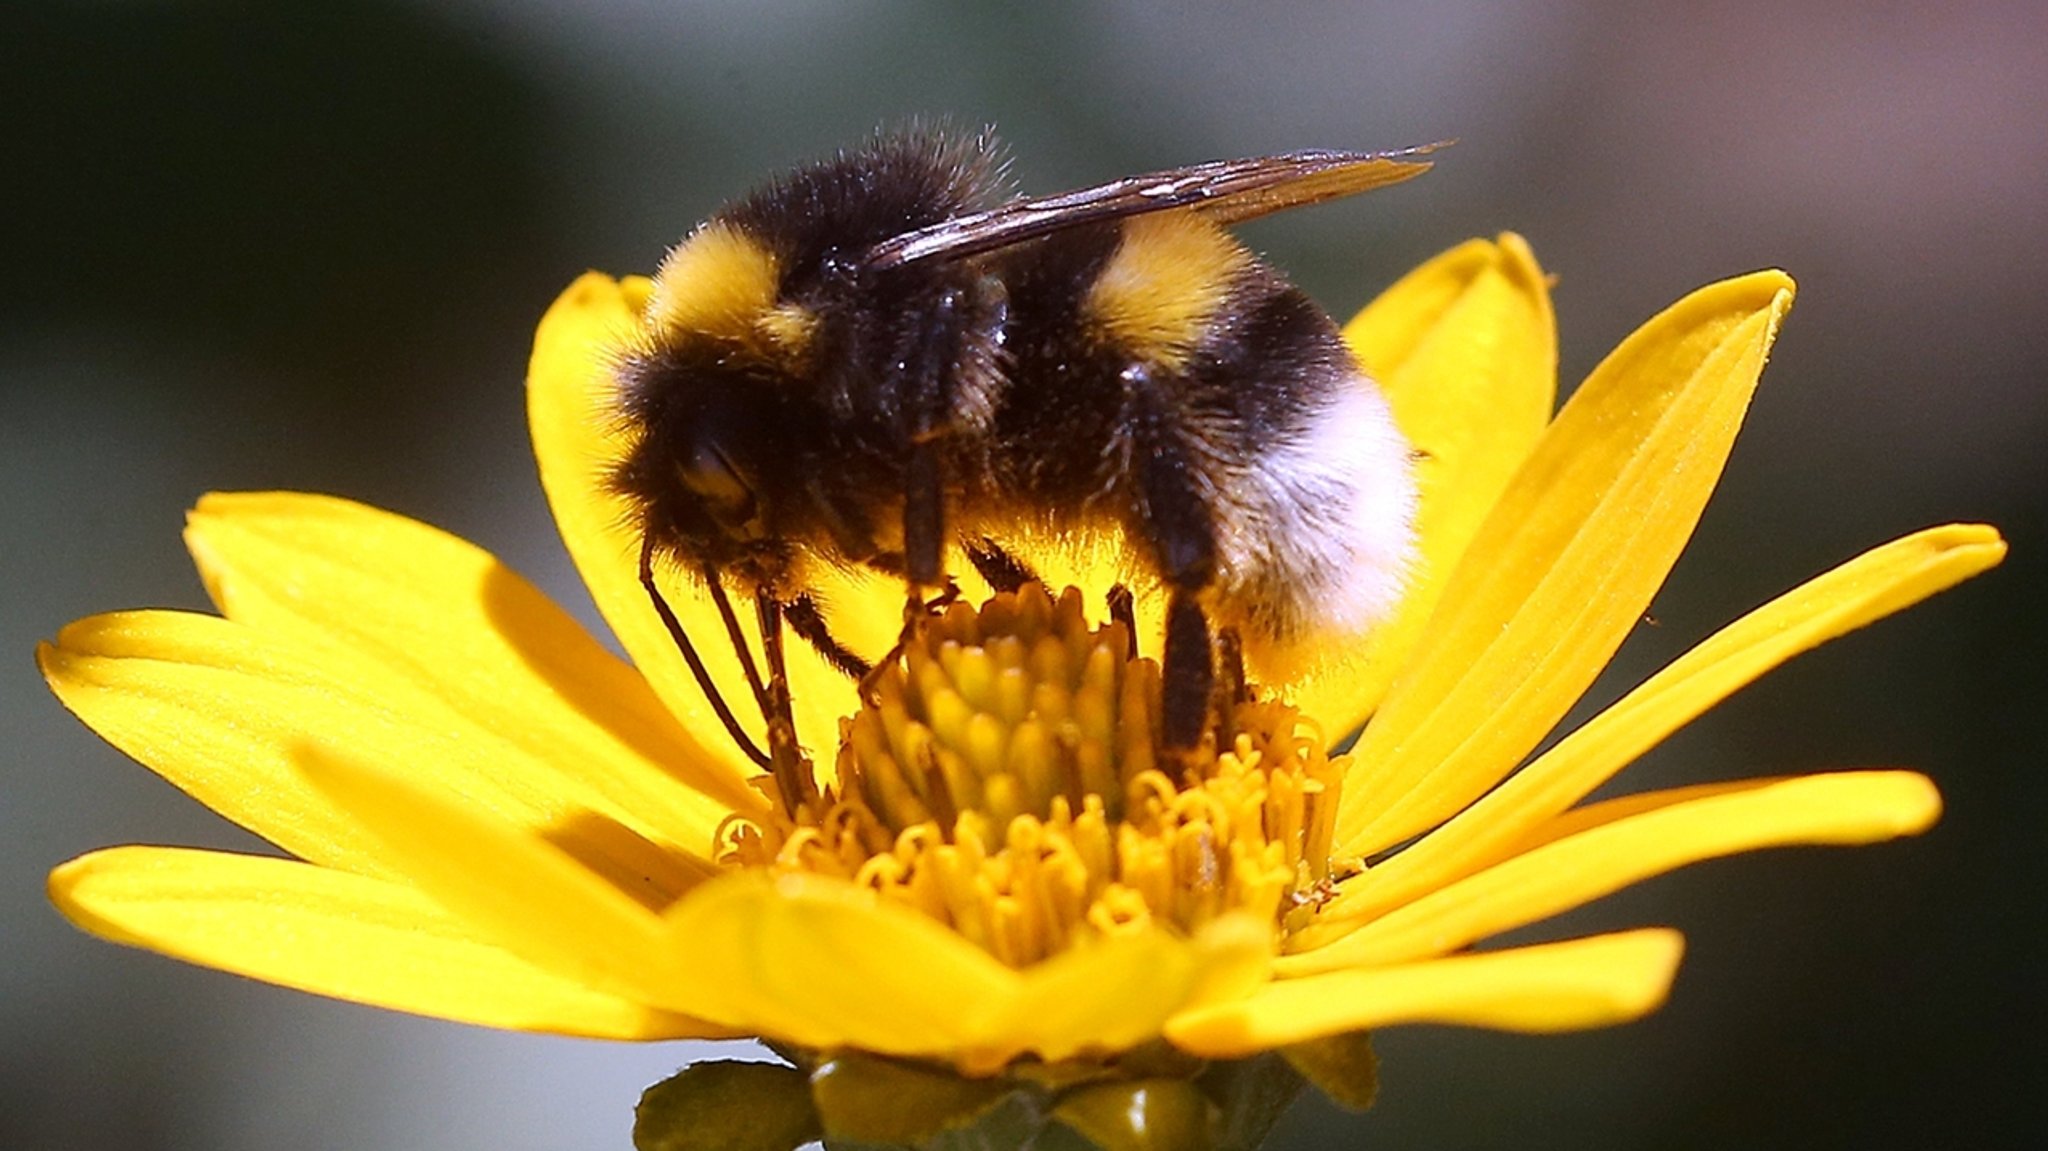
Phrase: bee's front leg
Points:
(785, 759)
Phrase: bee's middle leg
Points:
(924, 533)
(924, 519)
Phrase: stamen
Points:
(1003, 778)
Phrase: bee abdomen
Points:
(1297, 469)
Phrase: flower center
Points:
(1003, 777)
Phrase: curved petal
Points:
(1650, 835)
(577, 436)
(1874, 585)
(1566, 562)
(215, 711)
(512, 886)
(221, 710)
(822, 963)
(1466, 349)
(331, 933)
(1118, 992)
(451, 621)
(1582, 983)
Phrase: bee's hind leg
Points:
(1175, 520)
(1187, 674)
(1231, 688)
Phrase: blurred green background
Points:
(252, 248)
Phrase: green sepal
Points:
(1342, 1067)
(1250, 1095)
(866, 1101)
(727, 1106)
(1139, 1115)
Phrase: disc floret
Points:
(1003, 777)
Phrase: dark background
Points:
(249, 249)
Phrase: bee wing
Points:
(1225, 190)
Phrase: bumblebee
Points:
(885, 353)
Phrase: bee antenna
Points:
(682, 642)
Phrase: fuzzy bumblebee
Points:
(885, 353)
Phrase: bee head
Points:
(714, 395)
(764, 397)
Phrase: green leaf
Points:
(727, 1106)
(1341, 1066)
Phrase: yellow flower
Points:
(489, 818)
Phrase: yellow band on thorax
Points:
(1168, 278)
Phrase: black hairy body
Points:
(884, 353)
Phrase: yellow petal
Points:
(1466, 349)
(215, 711)
(510, 885)
(577, 437)
(1118, 992)
(822, 963)
(1873, 585)
(220, 710)
(331, 933)
(1566, 562)
(1609, 850)
(1900, 803)
(1567, 986)
(449, 620)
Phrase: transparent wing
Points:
(1225, 190)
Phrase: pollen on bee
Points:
(1003, 779)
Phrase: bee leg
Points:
(1230, 653)
(1123, 610)
(785, 760)
(915, 609)
(1001, 570)
(1175, 520)
(947, 597)
(924, 518)
(1230, 687)
(1187, 674)
(682, 642)
(808, 622)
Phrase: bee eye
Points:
(715, 480)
